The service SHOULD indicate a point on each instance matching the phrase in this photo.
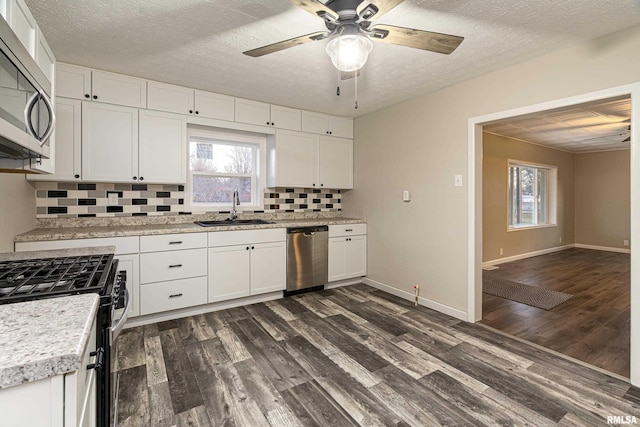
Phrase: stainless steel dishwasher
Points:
(307, 258)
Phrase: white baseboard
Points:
(345, 282)
(603, 248)
(454, 312)
(526, 255)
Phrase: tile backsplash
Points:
(80, 200)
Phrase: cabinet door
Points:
(356, 256)
(66, 143)
(118, 89)
(170, 98)
(253, 112)
(268, 267)
(214, 106)
(337, 258)
(45, 58)
(341, 127)
(295, 155)
(24, 26)
(286, 118)
(131, 265)
(109, 143)
(162, 147)
(73, 82)
(317, 123)
(229, 272)
(335, 162)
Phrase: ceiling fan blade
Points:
(316, 8)
(370, 10)
(425, 40)
(346, 75)
(286, 44)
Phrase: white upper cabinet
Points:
(252, 112)
(263, 114)
(324, 124)
(45, 58)
(291, 160)
(335, 162)
(73, 81)
(170, 98)
(162, 147)
(214, 106)
(83, 83)
(23, 25)
(286, 118)
(109, 143)
(67, 142)
(118, 89)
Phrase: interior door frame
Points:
(475, 125)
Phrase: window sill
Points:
(530, 227)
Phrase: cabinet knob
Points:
(197, 112)
(95, 96)
(247, 248)
(267, 123)
(190, 111)
(272, 123)
(321, 185)
(86, 95)
(314, 184)
(142, 178)
(252, 247)
(76, 176)
(330, 133)
(135, 178)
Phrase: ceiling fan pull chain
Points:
(338, 91)
(356, 95)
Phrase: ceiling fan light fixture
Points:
(349, 52)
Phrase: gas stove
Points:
(25, 280)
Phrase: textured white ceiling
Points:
(595, 126)
(199, 43)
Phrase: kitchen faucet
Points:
(236, 201)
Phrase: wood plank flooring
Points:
(593, 326)
(352, 356)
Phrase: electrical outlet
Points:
(626, 242)
(112, 199)
(457, 180)
(560, 240)
(501, 251)
(406, 196)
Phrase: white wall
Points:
(420, 144)
(17, 208)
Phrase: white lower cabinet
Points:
(247, 262)
(172, 294)
(347, 251)
(62, 400)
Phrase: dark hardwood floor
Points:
(353, 356)
(593, 326)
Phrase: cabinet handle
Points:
(99, 363)
(321, 185)
(252, 247)
(247, 247)
(272, 123)
(175, 266)
(86, 95)
(76, 176)
(142, 178)
(177, 242)
(95, 96)
(330, 133)
(175, 295)
(197, 112)
(267, 123)
(314, 184)
(190, 111)
(135, 178)
(348, 230)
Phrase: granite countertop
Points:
(19, 256)
(87, 232)
(44, 338)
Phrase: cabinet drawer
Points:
(173, 242)
(124, 245)
(347, 230)
(171, 295)
(172, 265)
(241, 237)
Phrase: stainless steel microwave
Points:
(27, 116)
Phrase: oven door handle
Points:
(115, 330)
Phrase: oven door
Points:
(120, 313)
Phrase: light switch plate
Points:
(112, 199)
(457, 180)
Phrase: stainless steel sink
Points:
(233, 222)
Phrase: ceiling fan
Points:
(350, 27)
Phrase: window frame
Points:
(552, 195)
(200, 134)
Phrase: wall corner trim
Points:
(442, 308)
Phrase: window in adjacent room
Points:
(221, 162)
(532, 195)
